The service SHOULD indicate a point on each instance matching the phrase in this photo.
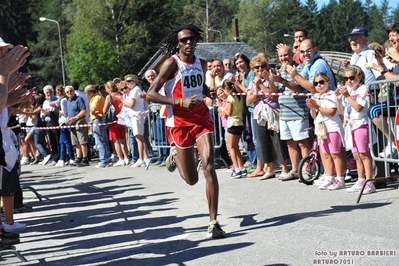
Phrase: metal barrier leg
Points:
(395, 178)
(33, 190)
(13, 252)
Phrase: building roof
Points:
(206, 51)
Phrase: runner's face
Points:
(186, 42)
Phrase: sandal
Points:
(255, 174)
(267, 176)
(291, 176)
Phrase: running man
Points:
(188, 118)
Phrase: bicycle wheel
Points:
(309, 169)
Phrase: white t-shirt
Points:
(140, 105)
(218, 81)
(356, 119)
(328, 100)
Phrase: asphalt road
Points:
(126, 216)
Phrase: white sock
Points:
(341, 179)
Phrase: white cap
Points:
(3, 43)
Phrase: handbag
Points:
(321, 130)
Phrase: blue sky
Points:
(392, 3)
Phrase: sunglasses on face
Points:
(308, 51)
(350, 78)
(321, 82)
(260, 66)
(186, 39)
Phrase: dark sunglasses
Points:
(130, 80)
(308, 51)
(321, 82)
(186, 39)
(350, 78)
(260, 66)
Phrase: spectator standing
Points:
(49, 114)
(116, 131)
(79, 135)
(99, 130)
(294, 114)
(323, 108)
(134, 100)
(228, 67)
(65, 135)
(266, 133)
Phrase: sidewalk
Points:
(126, 216)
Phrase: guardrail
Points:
(335, 60)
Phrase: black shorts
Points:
(236, 130)
(10, 181)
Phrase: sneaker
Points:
(326, 184)
(244, 172)
(24, 161)
(370, 188)
(45, 160)
(75, 162)
(8, 242)
(84, 163)
(215, 231)
(126, 161)
(336, 185)
(390, 151)
(138, 163)
(60, 163)
(158, 162)
(147, 162)
(119, 163)
(348, 176)
(14, 227)
(114, 158)
(356, 187)
(25, 208)
(34, 162)
(5, 234)
(320, 181)
(235, 174)
(170, 162)
(53, 163)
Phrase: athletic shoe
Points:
(8, 242)
(147, 162)
(25, 208)
(215, 231)
(119, 163)
(390, 151)
(320, 181)
(14, 227)
(113, 158)
(326, 184)
(24, 161)
(53, 163)
(243, 172)
(356, 187)
(138, 163)
(60, 163)
(336, 185)
(101, 165)
(34, 162)
(370, 188)
(45, 160)
(235, 174)
(170, 162)
(84, 163)
(348, 176)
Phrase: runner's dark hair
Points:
(168, 44)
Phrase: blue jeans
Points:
(100, 136)
(39, 140)
(159, 131)
(133, 144)
(65, 144)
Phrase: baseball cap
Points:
(3, 44)
(358, 30)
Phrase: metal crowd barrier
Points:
(158, 136)
(392, 126)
